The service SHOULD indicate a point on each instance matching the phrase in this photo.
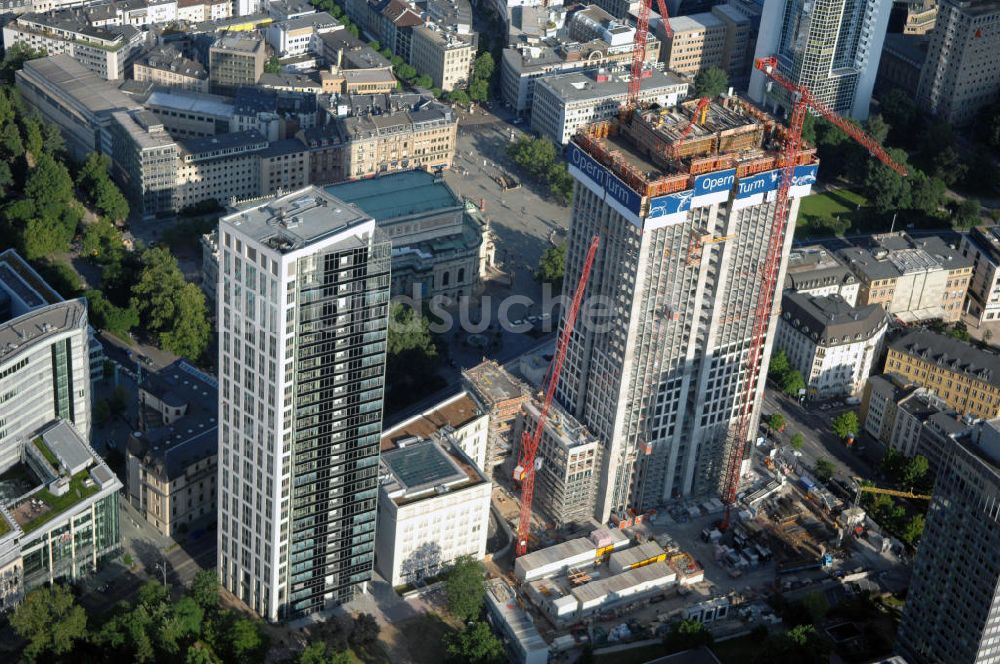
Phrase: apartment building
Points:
(830, 46)
(165, 66)
(915, 279)
(814, 270)
(196, 11)
(234, 61)
(106, 51)
(963, 375)
(304, 282)
(925, 425)
(444, 56)
(502, 394)
(521, 67)
(982, 246)
(284, 166)
(433, 507)
(719, 38)
(662, 382)
(438, 240)
(949, 617)
(564, 103)
(566, 485)
(171, 461)
(422, 136)
(831, 343)
(300, 35)
(961, 74)
(878, 405)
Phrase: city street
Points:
(814, 423)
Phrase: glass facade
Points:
(340, 350)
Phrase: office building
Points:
(814, 270)
(829, 342)
(303, 299)
(235, 61)
(106, 51)
(963, 375)
(210, 268)
(982, 246)
(950, 615)
(882, 394)
(59, 521)
(441, 244)
(903, 58)
(444, 56)
(165, 66)
(433, 506)
(459, 420)
(298, 36)
(830, 46)
(566, 484)
(171, 460)
(222, 168)
(564, 103)
(502, 394)
(925, 425)
(196, 11)
(522, 67)
(915, 279)
(962, 72)
(719, 38)
(187, 114)
(681, 245)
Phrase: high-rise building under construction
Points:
(658, 368)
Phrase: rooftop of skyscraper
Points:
(294, 220)
(648, 150)
(413, 192)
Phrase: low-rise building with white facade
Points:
(459, 419)
(433, 506)
(300, 35)
(522, 642)
(813, 270)
(564, 103)
(831, 343)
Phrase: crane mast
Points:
(526, 467)
(802, 100)
(639, 46)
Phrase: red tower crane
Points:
(802, 100)
(698, 117)
(639, 46)
(525, 470)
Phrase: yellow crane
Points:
(897, 493)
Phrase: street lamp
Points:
(162, 567)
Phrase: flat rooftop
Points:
(295, 220)
(419, 469)
(455, 413)
(238, 44)
(505, 602)
(413, 192)
(90, 91)
(584, 86)
(494, 383)
(20, 280)
(191, 102)
(23, 332)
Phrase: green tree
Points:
(365, 630)
(423, 81)
(190, 333)
(406, 72)
(458, 97)
(201, 653)
(102, 241)
(560, 183)
(34, 135)
(50, 621)
(797, 441)
(967, 213)
(937, 147)
(476, 644)
(552, 266)
(877, 128)
(886, 189)
(375, 45)
(845, 424)
(464, 588)
(778, 366)
(386, 53)
(915, 471)
(823, 470)
(205, 589)
(535, 155)
(988, 125)
(119, 321)
(793, 383)
(14, 58)
(479, 90)
(169, 307)
(710, 82)
(983, 175)
(913, 530)
(901, 113)
(273, 65)
(396, 61)
(246, 640)
(484, 66)
(687, 635)
(926, 193)
(314, 653)
(776, 421)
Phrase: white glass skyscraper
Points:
(303, 300)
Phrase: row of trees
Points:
(194, 629)
(539, 158)
(781, 373)
(478, 89)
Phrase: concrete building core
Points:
(686, 228)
